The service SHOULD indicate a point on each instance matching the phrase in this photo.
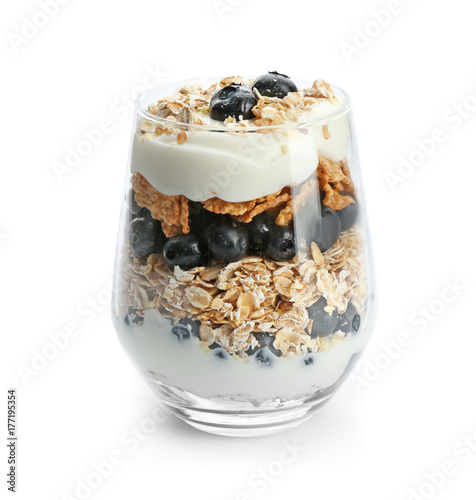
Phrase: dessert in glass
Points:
(243, 284)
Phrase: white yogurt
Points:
(187, 366)
(240, 167)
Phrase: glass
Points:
(247, 307)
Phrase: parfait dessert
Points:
(242, 286)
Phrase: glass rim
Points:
(142, 111)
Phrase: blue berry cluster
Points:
(219, 238)
(323, 325)
(238, 100)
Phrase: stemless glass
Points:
(248, 305)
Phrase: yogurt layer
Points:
(241, 166)
(187, 366)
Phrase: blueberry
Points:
(323, 323)
(309, 360)
(133, 317)
(328, 229)
(200, 218)
(343, 324)
(233, 100)
(350, 312)
(354, 317)
(348, 216)
(281, 246)
(264, 340)
(181, 332)
(349, 321)
(185, 251)
(220, 354)
(250, 351)
(145, 236)
(161, 239)
(144, 212)
(191, 325)
(135, 210)
(228, 241)
(263, 359)
(220, 351)
(259, 230)
(132, 205)
(274, 84)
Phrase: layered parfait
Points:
(242, 272)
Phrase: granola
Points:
(253, 295)
(334, 178)
(172, 211)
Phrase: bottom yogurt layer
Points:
(185, 365)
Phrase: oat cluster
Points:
(253, 295)
(246, 211)
(334, 180)
(171, 211)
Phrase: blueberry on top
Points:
(274, 84)
(233, 100)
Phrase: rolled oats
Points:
(253, 295)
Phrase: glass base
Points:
(228, 417)
(240, 416)
(234, 424)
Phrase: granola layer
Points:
(254, 295)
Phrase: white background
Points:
(57, 244)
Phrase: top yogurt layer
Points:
(180, 149)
